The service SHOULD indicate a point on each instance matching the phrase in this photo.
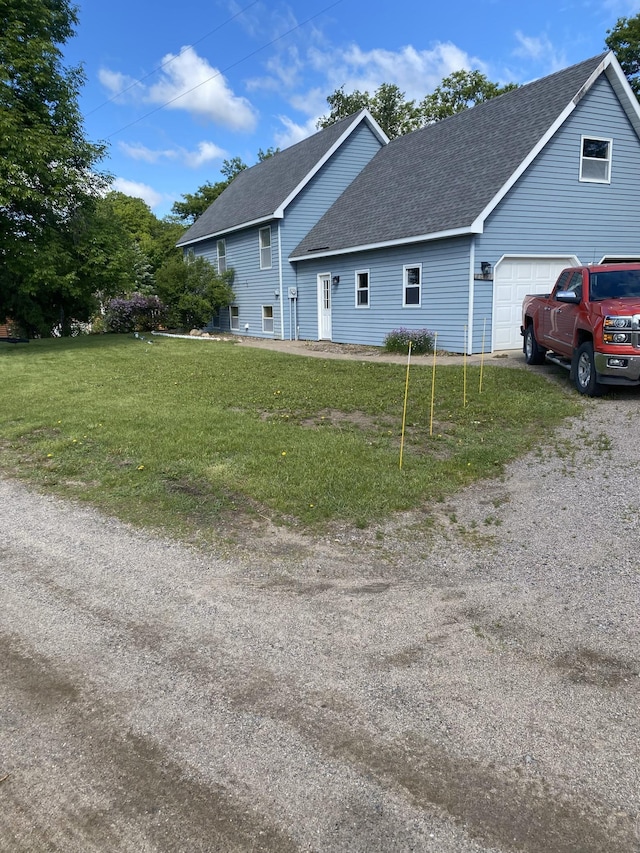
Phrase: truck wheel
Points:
(585, 371)
(533, 353)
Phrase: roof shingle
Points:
(440, 178)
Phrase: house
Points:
(448, 227)
(265, 212)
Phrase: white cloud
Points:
(120, 86)
(541, 50)
(186, 82)
(205, 152)
(138, 190)
(294, 132)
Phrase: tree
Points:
(457, 92)
(195, 204)
(343, 105)
(193, 291)
(397, 116)
(46, 164)
(624, 41)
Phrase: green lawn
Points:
(184, 435)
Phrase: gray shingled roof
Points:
(258, 192)
(442, 177)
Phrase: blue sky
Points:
(175, 88)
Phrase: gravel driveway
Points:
(464, 680)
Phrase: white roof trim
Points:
(218, 234)
(385, 244)
(365, 115)
(623, 90)
(609, 66)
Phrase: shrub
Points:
(398, 341)
(135, 313)
(193, 290)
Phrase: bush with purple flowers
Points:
(398, 341)
(134, 313)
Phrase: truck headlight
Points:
(617, 338)
(616, 323)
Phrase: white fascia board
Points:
(365, 116)
(564, 115)
(386, 244)
(616, 76)
(215, 235)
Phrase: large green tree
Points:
(624, 41)
(457, 92)
(47, 166)
(397, 116)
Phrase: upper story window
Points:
(595, 159)
(412, 295)
(265, 248)
(362, 289)
(222, 256)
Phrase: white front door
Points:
(324, 307)
(514, 278)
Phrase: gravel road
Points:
(461, 680)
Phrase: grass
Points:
(186, 435)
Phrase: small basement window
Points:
(234, 317)
(267, 318)
(595, 160)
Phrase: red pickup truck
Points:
(590, 324)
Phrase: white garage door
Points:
(514, 278)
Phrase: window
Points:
(412, 286)
(265, 248)
(267, 318)
(222, 256)
(595, 162)
(362, 289)
(234, 318)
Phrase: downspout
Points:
(472, 264)
(280, 285)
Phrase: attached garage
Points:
(514, 278)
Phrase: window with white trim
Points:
(267, 319)
(412, 291)
(265, 248)
(362, 288)
(222, 256)
(234, 318)
(595, 159)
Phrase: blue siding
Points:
(445, 293)
(317, 197)
(550, 211)
(254, 287)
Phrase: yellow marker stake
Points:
(484, 329)
(464, 371)
(433, 381)
(404, 410)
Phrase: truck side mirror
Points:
(571, 297)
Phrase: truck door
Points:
(564, 315)
(547, 310)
